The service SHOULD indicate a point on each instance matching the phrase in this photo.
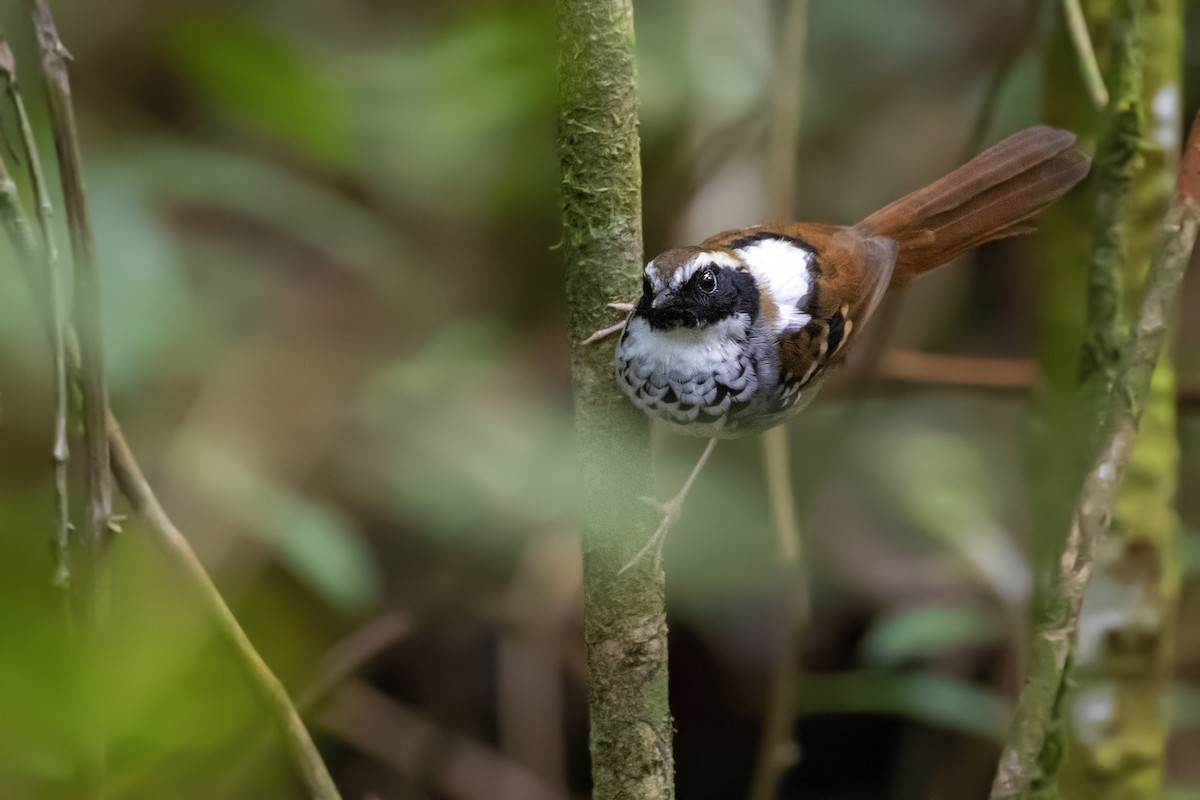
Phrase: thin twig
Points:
(15, 222)
(1089, 67)
(787, 100)
(141, 497)
(1117, 706)
(135, 487)
(980, 372)
(983, 373)
(60, 450)
(441, 762)
(138, 492)
(777, 747)
(340, 664)
(93, 589)
(1055, 632)
(99, 525)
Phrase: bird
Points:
(737, 334)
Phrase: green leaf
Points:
(932, 699)
(317, 542)
(915, 633)
(257, 80)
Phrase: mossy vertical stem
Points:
(624, 612)
(1027, 763)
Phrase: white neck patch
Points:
(782, 270)
(702, 350)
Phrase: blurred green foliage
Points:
(930, 698)
(333, 323)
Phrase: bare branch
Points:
(415, 747)
(99, 528)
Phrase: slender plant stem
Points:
(60, 451)
(1032, 757)
(141, 497)
(787, 100)
(54, 57)
(1089, 67)
(99, 524)
(1020, 766)
(777, 747)
(625, 621)
(337, 667)
(1118, 160)
(1115, 714)
(15, 222)
(441, 763)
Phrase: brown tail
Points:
(992, 196)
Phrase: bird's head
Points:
(690, 287)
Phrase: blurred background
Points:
(334, 330)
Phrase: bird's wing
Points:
(851, 273)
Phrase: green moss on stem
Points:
(624, 613)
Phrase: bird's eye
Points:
(708, 281)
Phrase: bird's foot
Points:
(671, 511)
(603, 332)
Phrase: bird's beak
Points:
(661, 299)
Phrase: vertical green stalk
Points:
(1109, 721)
(624, 613)
(60, 452)
(1117, 162)
(1121, 678)
(87, 286)
(99, 527)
